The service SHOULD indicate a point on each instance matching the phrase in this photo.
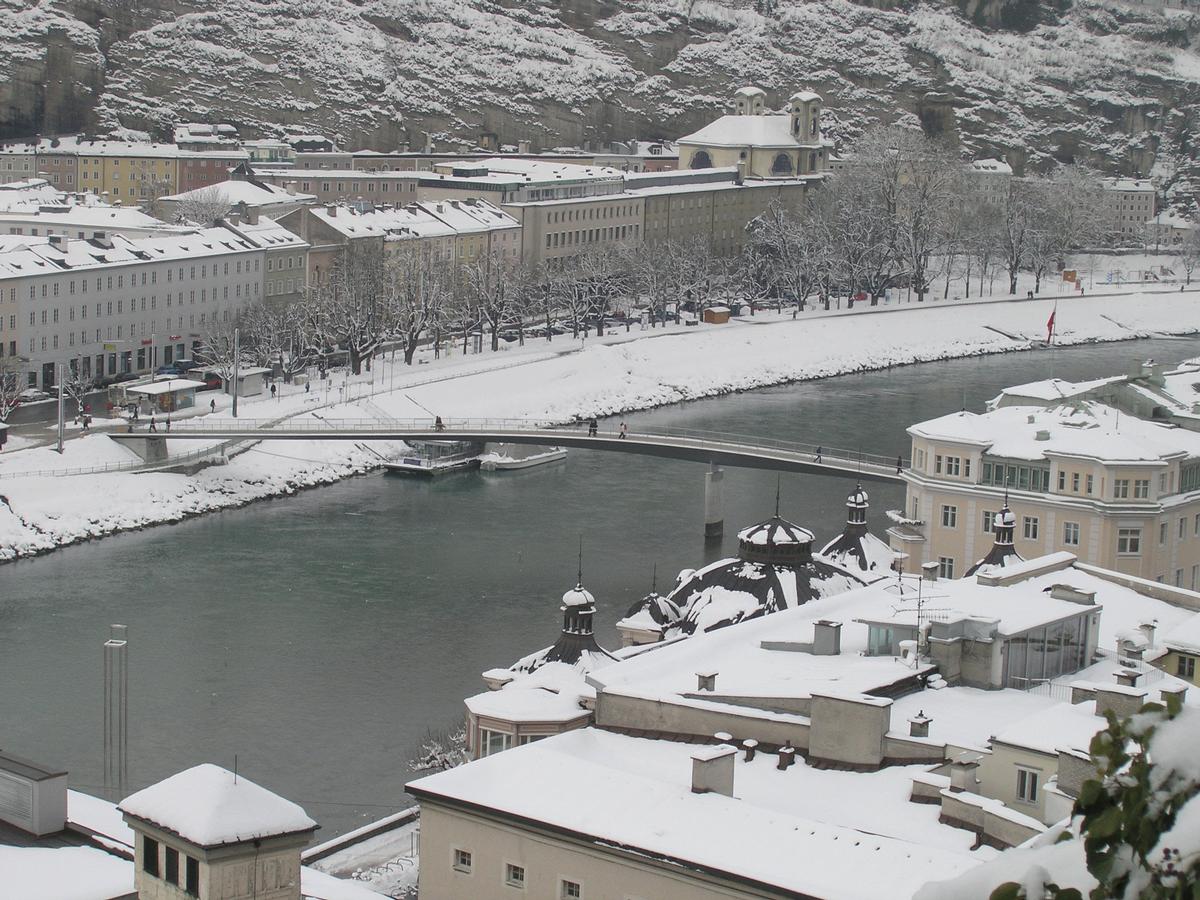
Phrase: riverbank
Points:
(42, 513)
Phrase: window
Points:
(953, 465)
(150, 856)
(462, 860)
(1141, 488)
(1182, 528)
(570, 890)
(945, 566)
(1071, 534)
(1029, 527)
(1121, 488)
(937, 464)
(1162, 533)
(493, 741)
(1185, 667)
(172, 868)
(1027, 785)
(949, 516)
(514, 875)
(1075, 482)
(1179, 578)
(1062, 481)
(1129, 541)
(989, 519)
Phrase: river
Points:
(318, 637)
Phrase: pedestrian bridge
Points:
(715, 448)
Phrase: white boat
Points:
(503, 457)
(436, 458)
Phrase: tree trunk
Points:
(495, 338)
(1012, 281)
(410, 350)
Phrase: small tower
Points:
(206, 832)
(576, 643)
(1003, 553)
(805, 109)
(749, 101)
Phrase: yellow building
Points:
(1117, 491)
(764, 143)
(130, 173)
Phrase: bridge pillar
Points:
(714, 501)
(151, 449)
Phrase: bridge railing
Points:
(500, 426)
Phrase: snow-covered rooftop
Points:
(210, 806)
(531, 171)
(252, 193)
(1185, 636)
(442, 218)
(63, 873)
(1089, 430)
(637, 794)
(747, 131)
(517, 703)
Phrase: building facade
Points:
(1123, 496)
(1128, 204)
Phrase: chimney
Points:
(740, 177)
(290, 187)
(523, 147)
(1127, 677)
(331, 210)
(1148, 629)
(962, 775)
(750, 745)
(59, 242)
(787, 756)
(1073, 594)
(712, 770)
(1042, 435)
(1173, 690)
(1122, 701)
(827, 638)
(252, 217)
(929, 570)
(234, 219)
(706, 681)
(918, 725)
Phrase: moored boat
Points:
(503, 457)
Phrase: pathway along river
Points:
(318, 637)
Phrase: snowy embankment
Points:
(38, 514)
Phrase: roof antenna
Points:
(778, 481)
(654, 580)
(235, 768)
(580, 582)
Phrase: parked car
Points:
(32, 395)
(212, 381)
(123, 377)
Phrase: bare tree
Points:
(418, 285)
(200, 207)
(282, 336)
(1189, 252)
(489, 280)
(348, 313)
(75, 386)
(223, 351)
(11, 385)
(606, 275)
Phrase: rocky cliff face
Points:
(1104, 82)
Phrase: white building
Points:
(111, 305)
(1128, 203)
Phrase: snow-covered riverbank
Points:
(40, 513)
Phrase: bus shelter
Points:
(167, 396)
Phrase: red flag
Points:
(1050, 324)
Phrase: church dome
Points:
(775, 541)
(577, 596)
(1005, 519)
(858, 499)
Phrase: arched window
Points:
(782, 164)
(701, 160)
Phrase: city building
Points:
(270, 152)
(243, 191)
(1119, 491)
(37, 209)
(460, 230)
(18, 162)
(1127, 204)
(915, 719)
(1168, 229)
(202, 136)
(763, 143)
(285, 255)
(112, 305)
(989, 179)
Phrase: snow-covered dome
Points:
(858, 499)
(577, 596)
(660, 609)
(1005, 519)
(776, 531)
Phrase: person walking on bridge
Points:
(153, 426)
(624, 431)
(817, 458)
(593, 427)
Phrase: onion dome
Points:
(577, 596)
(855, 547)
(1003, 553)
(775, 541)
(576, 644)
(660, 609)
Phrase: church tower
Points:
(749, 101)
(804, 107)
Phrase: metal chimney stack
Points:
(116, 711)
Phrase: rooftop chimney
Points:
(706, 681)
(331, 210)
(918, 725)
(1173, 690)
(827, 638)
(1148, 629)
(929, 570)
(712, 770)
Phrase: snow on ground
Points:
(63, 873)
(552, 382)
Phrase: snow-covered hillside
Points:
(1095, 82)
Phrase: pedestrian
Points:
(212, 405)
(899, 464)
(272, 390)
(307, 387)
(624, 431)
(593, 427)
(168, 421)
(153, 427)
(437, 424)
(818, 456)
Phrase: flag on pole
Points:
(1050, 324)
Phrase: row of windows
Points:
(51, 316)
(590, 236)
(580, 215)
(54, 288)
(135, 330)
(514, 875)
(166, 866)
